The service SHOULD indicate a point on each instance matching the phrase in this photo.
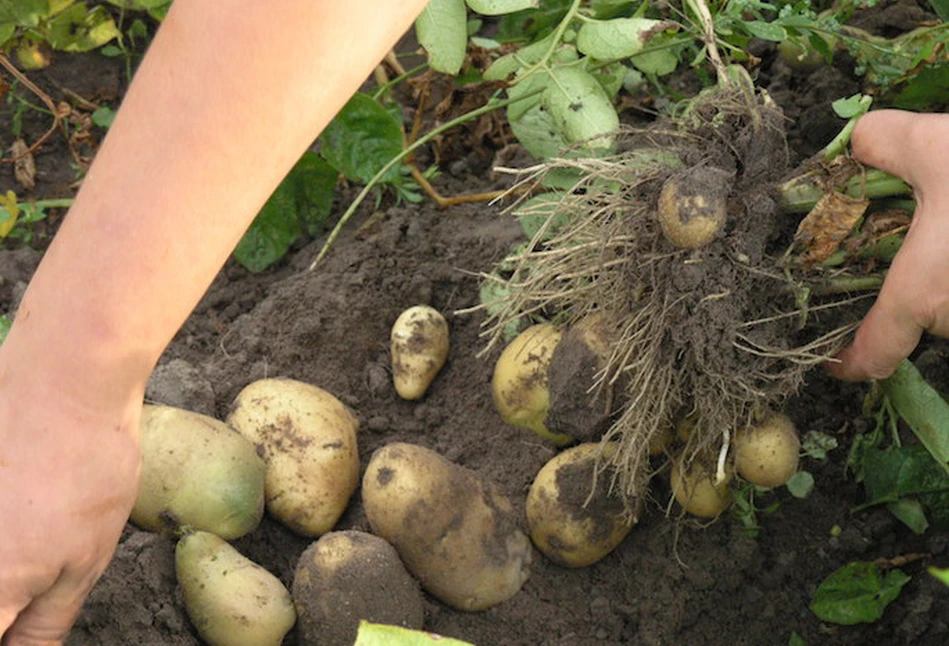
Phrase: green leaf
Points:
(382, 635)
(79, 29)
(656, 62)
(362, 139)
(817, 445)
(6, 33)
(801, 484)
(442, 29)
(537, 132)
(540, 212)
(796, 640)
(928, 88)
(581, 109)
(139, 5)
(853, 106)
(910, 512)
(524, 57)
(922, 408)
(618, 38)
(5, 324)
(857, 593)
(103, 116)
(23, 13)
(766, 30)
(941, 7)
(501, 7)
(940, 573)
(301, 203)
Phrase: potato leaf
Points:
(382, 635)
(5, 324)
(540, 212)
(442, 29)
(922, 408)
(911, 513)
(79, 29)
(301, 203)
(940, 573)
(618, 38)
(362, 139)
(23, 13)
(766, 30)
(581, 109)
(500, 7)
(857, 593)
(510, 63)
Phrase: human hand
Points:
(915, 295)
(68, 479)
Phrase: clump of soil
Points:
(710, 332)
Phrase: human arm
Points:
(915, 295)
(228, 97)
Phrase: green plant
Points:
(857, 593)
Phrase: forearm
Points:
(227, 99)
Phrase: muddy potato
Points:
(567, 523)
(231, 600)
(349, 576)
(197, 471)
(454, 531)
(767, 455)
(697, 492)
(519, 385)
(308, 439)
(692, 207)
(419, 347)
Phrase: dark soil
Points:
(666, 584)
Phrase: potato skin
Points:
(695, 490)
(519, 384)
(348, 576)
(692, 207)
(454, 531)
(231, 600)
(419, 344)
(567, 524)
(197, 471)
(767, 455)
(308, 439)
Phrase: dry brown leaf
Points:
(828, 224)
(24, 168)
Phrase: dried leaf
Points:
(828, 224)
(24, 169)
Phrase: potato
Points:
(697, 492)
(454, 531)
(349, 576)
(692, 206)
(519, 384)
(567, 523)
(419, 348)
(197, 471)
(308, 439)
(767, 454)
(231, 600)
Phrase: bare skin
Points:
(228, 97)
(915, 295)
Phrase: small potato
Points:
(567, 523)
(308, 440)
(197, 471)
(350, 576)
(693, 208)
(767, 455)
(519, 384)
(696, 491)
(231, 600)
(419, 347)
(454, 531)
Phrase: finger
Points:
(891, 140)
(49, 618)
(884, 339)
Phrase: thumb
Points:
(894, 141)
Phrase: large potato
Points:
(455, 532)
(767, 454)
(349, 576)
(695, 488)
(308, 440)
(573, 518)
(231, 600)
(197, 471)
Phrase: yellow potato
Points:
(767, 455)
(697, 492)
(567, 523)
(692, 207)
(455, 532)
(308, 439)
(231, 600)
(419, 347)
(197, 471)
(519, 384)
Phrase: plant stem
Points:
(838, 144)
(800, 194)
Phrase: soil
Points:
(667, 583)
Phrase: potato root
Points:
(455, 532)
(349, 576)
(419, 345)
(308, 439)
(197, 471)
(767, 455)
(231, 600)
(573, 518)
